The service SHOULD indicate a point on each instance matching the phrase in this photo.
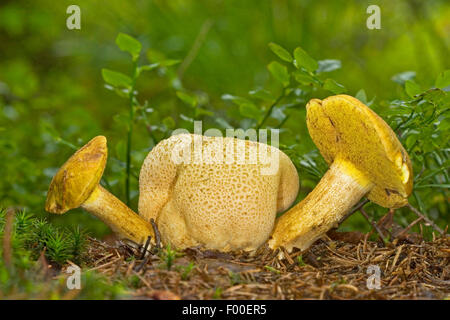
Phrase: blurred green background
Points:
(52, 91)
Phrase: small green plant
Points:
(58, 249)
(125, 86)
(78, 243)
(272, 269)
(235, 278)
(37, 235)
(302, 76)
(168, 256)
(217, 293)
(26, 275)
(336, 283)
(300, 261)
(422, 121)
(186, 270)
(133, 281)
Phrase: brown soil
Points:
(331, 269)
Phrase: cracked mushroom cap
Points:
(344, 128)
(78, 177)
(213, 203)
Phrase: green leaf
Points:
(147, 67)
(361, 96)
(278, 113)
(169, 122)
(223, 123)
(433, 185)
(169, 62)
(186, 118)
(333, 86)
(443, 80)
(328, 65)
(187, 98)
(115, 78)
(402, 77)
(279, 72)
(154, 55)
(303, 78)
(129, 44)
(203, 112)
(153, 66)
(412, 88)
(235, 99)
(250, 111)
(262, 94)
(302, 59)
(411, 140)
(282, 53)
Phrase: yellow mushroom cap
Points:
(343, 128)
(78, 177)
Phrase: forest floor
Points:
(331, 269)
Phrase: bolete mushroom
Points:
(365, 159)
(222, 195)
(76, 184)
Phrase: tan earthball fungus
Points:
(218, 196)
(365, 159)
(76, 184)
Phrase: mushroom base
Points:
(338, 191)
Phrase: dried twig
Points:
(425, 218)
(412, 224)
(356, 208)
(144, 250)
(373, 224)
(157, 234)
(143, 263)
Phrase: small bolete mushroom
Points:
(76, 184)
(218, 196)
(365, 159)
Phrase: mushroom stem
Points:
(121, 219)
(338, 191)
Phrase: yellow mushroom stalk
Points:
(365, 158)
(76, 184)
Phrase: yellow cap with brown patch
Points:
(78, 177)
(344, 128)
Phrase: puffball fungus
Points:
(221, 193)
(365, 158)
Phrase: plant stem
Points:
(424, 217)
(130, 135)
(269, 111)
(373, 224)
